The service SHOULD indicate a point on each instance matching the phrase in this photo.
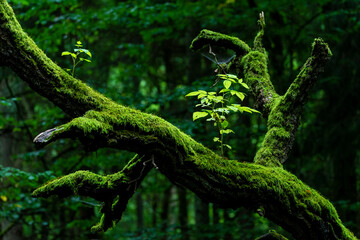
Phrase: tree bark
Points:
(99, 122)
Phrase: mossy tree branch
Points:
(113, 190)
(99, 122)
(207, 37)
(285, 113)
(258, 39)
(282, 112)
(297, 93)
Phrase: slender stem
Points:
(218, 123)
(73, 70)
(222, 145)
(222, 134)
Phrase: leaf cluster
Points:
(76, 56)
(217, 105)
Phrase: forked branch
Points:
(113, 190)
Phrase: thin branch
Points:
(8, 228)
(272, 235)
(297, 93)
(258, 39)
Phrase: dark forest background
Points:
(141, 58)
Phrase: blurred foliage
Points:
(141, 58)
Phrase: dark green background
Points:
(141, 58)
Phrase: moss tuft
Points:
(206, 37)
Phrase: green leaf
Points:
(232, 108)
(222, 110)
(216, 139)
(255, 111)
(83, 50)
(240, 80)
(227, 131)
(227, 84)
(205, 101)
(197, 115)
(192, 94)
(229, 77)
(217, 100)
(210, 97)
(74, 55)
(240, 95)
(224, 124)
(224, 90)
(245, 109)
(222, 76)
(78, 44)
(228, 146)
(3, 198)
(244, 85)
(65, 53)
(232, 76)
(87, 52)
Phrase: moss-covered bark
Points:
(99, 122)
(113, 190)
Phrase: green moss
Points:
(206, 37)
(258, 41)
(246, 178)
(71, 185)
(256, 75)
(114, 190)
(107, 116)
(124, 120)
(100, 226)
(286, 189)
(282, 124)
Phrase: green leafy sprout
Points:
(217, 105)
(79, 51)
